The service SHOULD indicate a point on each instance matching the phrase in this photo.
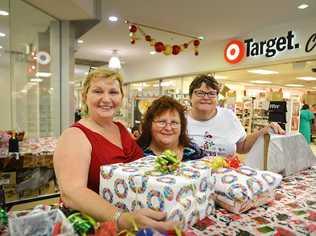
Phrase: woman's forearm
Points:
(245, 145)
(89, 202)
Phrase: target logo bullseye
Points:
(234, 51)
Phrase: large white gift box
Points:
(185, 194)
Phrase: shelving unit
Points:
(244, 111)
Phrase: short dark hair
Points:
(209, 80)
(305, 107)
(159, 106)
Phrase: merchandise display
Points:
(185, 194)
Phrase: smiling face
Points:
(166, 129)
(103, 97)
(204, 99)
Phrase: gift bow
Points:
(167, 162)
(3, 217)
(135, 231)
(232, 162)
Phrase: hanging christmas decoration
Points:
(160, 46)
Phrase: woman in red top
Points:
(94, 141)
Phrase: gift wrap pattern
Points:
(293, 212)
(238, 190)
(186, 195)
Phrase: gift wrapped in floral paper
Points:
(184, 193)
(239, 188)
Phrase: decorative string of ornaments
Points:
(159, 46)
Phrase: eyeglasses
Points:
(163, 124)
(202, 94)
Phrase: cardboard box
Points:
(7, 178)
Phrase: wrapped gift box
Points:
(186, 195)
(239, 190)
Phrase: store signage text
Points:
(311, 43)
(235, 50)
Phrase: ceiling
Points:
(215, 20)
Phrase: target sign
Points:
(234, 51)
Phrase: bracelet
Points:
(116, 217)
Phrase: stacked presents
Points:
(186, 191)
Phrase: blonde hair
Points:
(98, 73)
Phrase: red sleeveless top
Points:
(104, 152)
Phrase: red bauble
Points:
(185, 45)
(196, 53)
(159, 47)
(132, 28)
(148, 38)
(132, 41)
(196, 42)
(176, 49)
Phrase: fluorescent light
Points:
(307, 78)
(80, 41)
(294, 85)
(220, 77)
(3, 13)
(113, 18)
(263, 72)
(43, 74)
(2, 34)
(261, 82)
(152, 52)
(36, 80)
(302, 6)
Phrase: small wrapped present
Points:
(243, 188)
(185, 194)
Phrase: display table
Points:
(285, 154)
(293, 212)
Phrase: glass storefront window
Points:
(171, 86)
(34, 57)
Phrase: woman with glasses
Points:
(217, 130)
(165, 127)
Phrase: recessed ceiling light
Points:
(80, 41)
(36, 80)
(263, 72)
(261, 82)
(43, 74)
(294, 85)
(220, 77)
(152, 52)
(302, 6)
(307, 78)
(3, 13)
(2, 34)
(113, 18)
(0, 46)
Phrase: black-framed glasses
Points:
(163, 124)
(201, 93)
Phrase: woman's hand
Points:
(146, 218)
(274, 126)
